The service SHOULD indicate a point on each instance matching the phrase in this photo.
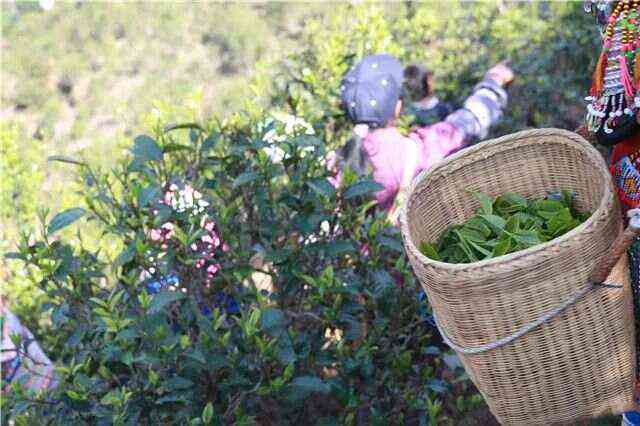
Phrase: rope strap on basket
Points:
(525, 328)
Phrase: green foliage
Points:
(551, 46)
(336, 335)
(505, 225)
(315, 343)
(21, 174)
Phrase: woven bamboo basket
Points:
(576, 360)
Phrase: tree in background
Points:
(546, 42)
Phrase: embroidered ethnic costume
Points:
(614, 102)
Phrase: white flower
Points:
(275, 153)
(285, 126)
(188, 196)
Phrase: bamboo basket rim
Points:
(580, 144)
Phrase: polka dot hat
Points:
(371, 89)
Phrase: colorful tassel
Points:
(625, 77)
(598, 75)
(636, 71)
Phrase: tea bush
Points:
(22, 175)
(310, 310)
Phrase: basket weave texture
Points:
(580, 363)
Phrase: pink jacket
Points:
(389, 152)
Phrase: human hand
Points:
(393, 216)
(501, 73)
(586, 134)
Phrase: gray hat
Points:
(371, 90)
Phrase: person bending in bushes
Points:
(424, 106)
(371, 94)
(21, 358)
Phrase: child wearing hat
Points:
(371, 96)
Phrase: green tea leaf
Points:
(210, 142)
(502, 247)
(126, 255)
(164, 298)
(496, 223)
(513, 199)
(64, 219)
(527, 238)
(173, 147)
(147, 195)
(472, 234)
(513, 224)
(178, 382)
(336, 248)
(146, 149)
(65, 159)
(272, 320)
(471, 257)
(429, 250)
(486, 203)
(207, 413)
(245, 178)
(479, 225)
(362, 188)
(479, 248)
(171, 127)
(549, 205)
(560, 223)
(310, 384)
(322, 187)
(510, 203)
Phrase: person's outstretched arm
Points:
(485, 106)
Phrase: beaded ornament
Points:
(615, 91)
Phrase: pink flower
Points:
(168, 226)
(156, 235)
(225, 247)
(206, 239)
(364, 250)
(194, 247)
(212, 269)
(199, 263)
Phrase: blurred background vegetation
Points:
(82, 78)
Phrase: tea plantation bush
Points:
(287, 300)
(22, 175)
(310, 311)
